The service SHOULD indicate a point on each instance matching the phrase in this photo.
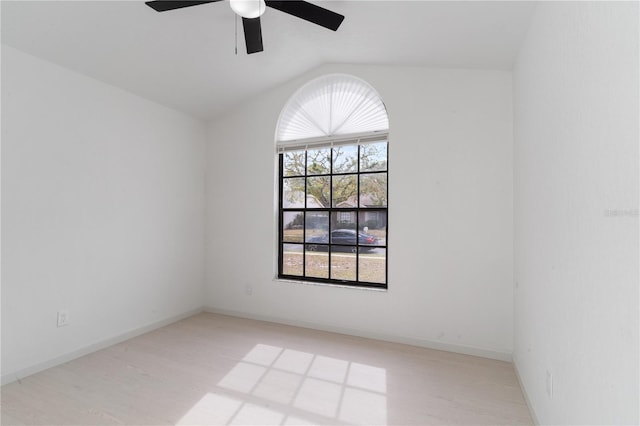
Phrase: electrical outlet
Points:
(248, 289)
(63, 318)
(549, 384)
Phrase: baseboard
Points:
(461, 349)
(17, 375)
(526, 396)
(467, 350)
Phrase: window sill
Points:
(313, 283)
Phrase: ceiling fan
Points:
(251, 10)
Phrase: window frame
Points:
(331, 142)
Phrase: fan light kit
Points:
(248, 8)
(251, 10)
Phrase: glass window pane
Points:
(319, 161)
(345, 191)
(343, 265)
(292, 223)
(317, 264)
(317, 227)
(344, 249)
(372, 265)
(348, 244)
(292, 259)
(373, 157)
(373, 190)
(318, 192)
(373, 228)
(319, 243)
(293, 163)
(345, 159)
(293, 193)
(343, 225)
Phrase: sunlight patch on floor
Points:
(211, 409)
(275, 385)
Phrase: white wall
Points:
(102, 212)
(450, 215)
(576, 212)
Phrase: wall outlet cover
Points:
(63, 318)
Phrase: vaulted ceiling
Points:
(186, 58)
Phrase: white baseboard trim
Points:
(17, 375)
(10, 377)
(461, 349)
(526, 396)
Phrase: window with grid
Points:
(333, 212)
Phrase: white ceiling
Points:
(185, 58)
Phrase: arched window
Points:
(332, 140)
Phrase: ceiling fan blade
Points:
(309, 12)
(252, 34)
(164, 5)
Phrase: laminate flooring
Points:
(212, 369)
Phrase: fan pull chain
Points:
(236, 21)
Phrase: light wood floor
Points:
(214, 369)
